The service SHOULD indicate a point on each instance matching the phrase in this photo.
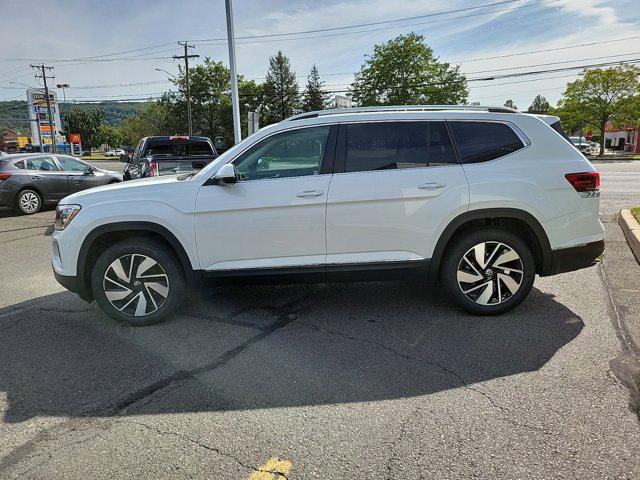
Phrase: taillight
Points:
(179, 138)
(153, 168)
(4, 176)
(585, 181)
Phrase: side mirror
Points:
(88, 171)
(125, 158)
(226, 175)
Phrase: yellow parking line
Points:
(274, 469)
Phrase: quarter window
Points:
(484, 141)
(397, 145)
(294, 153)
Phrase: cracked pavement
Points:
(371, 380)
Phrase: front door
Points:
(46, 177)
(79, 175)
(400, 182)
(274, 216)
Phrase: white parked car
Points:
(481, 198)
(115, 153)
(582, 144)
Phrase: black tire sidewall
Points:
(19, 196)
(161, 254)
(448, 273)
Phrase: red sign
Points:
(74, 137)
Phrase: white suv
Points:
(481, 198)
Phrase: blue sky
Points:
(65, 30)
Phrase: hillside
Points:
(14, 114)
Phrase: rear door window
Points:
(41, 164)
(397, 145)
(484, 141)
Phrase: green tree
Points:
(539, 105)
(110, 136)
(405, 71)
(314, 97)
(509, 104)
(210, 88)
(604, 96)
(87, 123)
(280, 90)
(155, 118)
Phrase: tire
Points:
(28, 202)
(495, 287)
(138, 281)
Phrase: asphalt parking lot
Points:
(371, 380)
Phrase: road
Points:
(371, 380)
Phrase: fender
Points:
(85, 291)
(486, 213)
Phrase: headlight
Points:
(64, 215)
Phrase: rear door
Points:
(45, 175)
(395, 185)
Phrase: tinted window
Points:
(558, 128)
(382, 146)
(483, 141)
(289, 154)
(69, 164)
(179, 148)
(44, 164)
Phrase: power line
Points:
(359, 25)
(544, 50)
(208, 41)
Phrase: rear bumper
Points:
(575, 258)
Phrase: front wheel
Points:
(138, 281)
(489, 271)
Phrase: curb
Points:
(631, 229)
(626, 368)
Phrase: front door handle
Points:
(310, 193)
(432, 186)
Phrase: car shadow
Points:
(264, 347)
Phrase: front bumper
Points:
(71, 283)
(575, 258)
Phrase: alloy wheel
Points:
(29, 202)
(490, 273)
(136, 285)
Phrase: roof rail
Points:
(399, 108)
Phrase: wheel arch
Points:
(524, 224)
(105, 235)
(28, 186)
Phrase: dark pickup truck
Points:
(168, 155)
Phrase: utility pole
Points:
(52, 123)
(235, 100)
(186, 58)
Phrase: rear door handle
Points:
(310, 193)
(432, 186)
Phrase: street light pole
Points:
(64, 96)
(235, 100)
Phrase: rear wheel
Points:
(28, 202)
(138, 281)
(489, 271)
